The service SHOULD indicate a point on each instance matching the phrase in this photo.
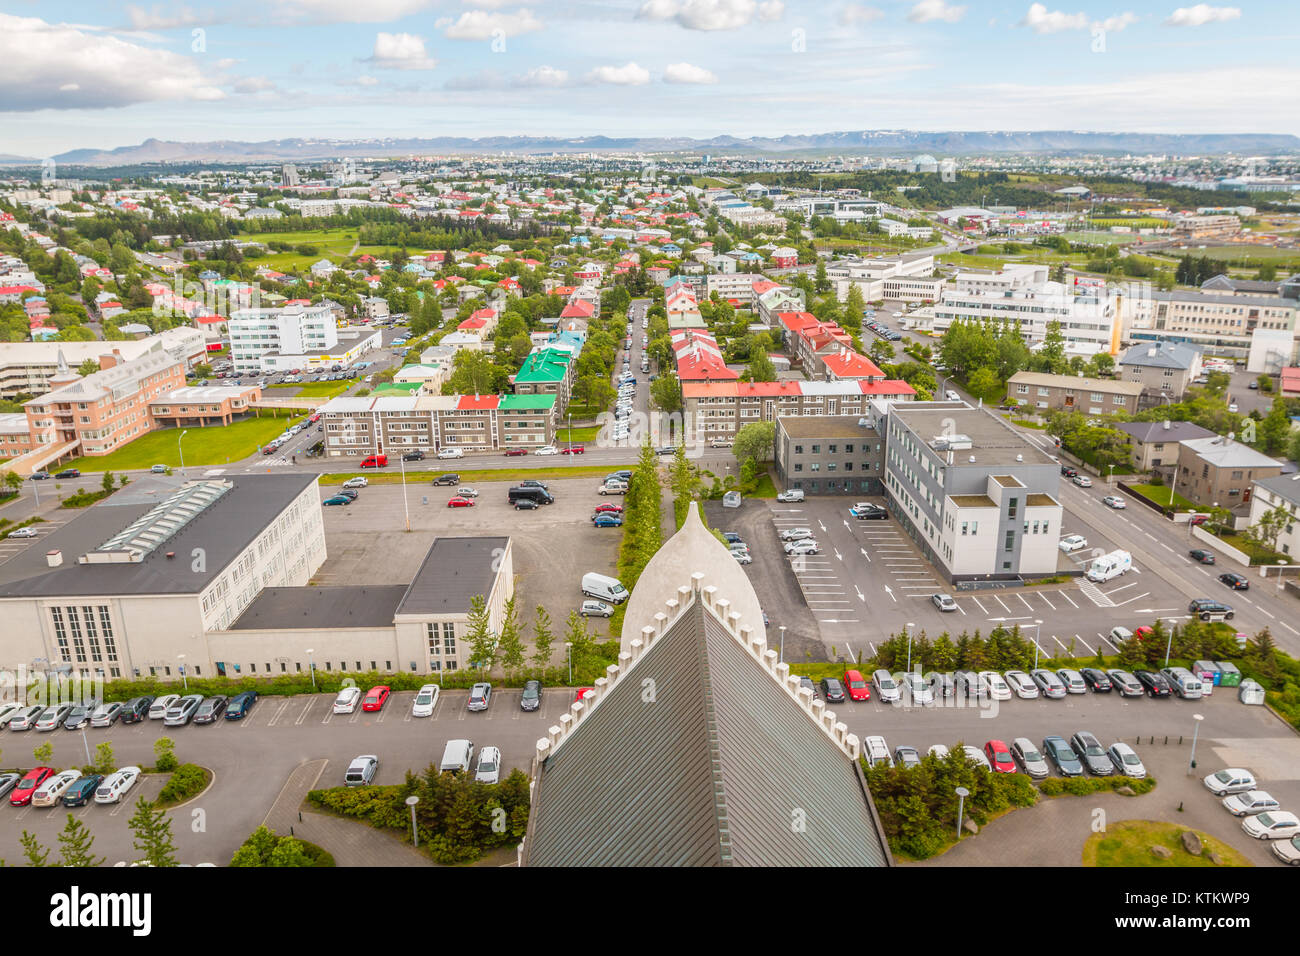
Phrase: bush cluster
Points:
(186, 781)
(265, 848)
(1082, 786)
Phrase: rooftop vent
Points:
(1020, 457)
(54, 558)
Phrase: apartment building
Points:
(832, 455)
(1280, 492)
(1156, 445)
(979, 500)
(27, 367)
(1163, 369)
(126, 585)
(1255, 327)
(720, 409)
(698, 357)
(736, 285)
(391, 425)
(263, 339)
(203, 405)
(1206, 227)
(909, 276)
(1073, 393)
(547, 370)
(1221, 472)
(774, 301)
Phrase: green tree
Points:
(1217, 382)
(821, 282)
(43, 753)
(984, 383)
(153, 834)
(1269, 527)
(666, 392)
(482, 641)
(105, 761)
(760, 368)
(107, 483)
(1051, 357)
(511, 647)
(75, 844)
(543, 637)
(88, 367)
(33, 850)
(473, 373)
(12, 481)
(1275, 428)
(289, 851)
(257, 849)
(755, 440)
(164, 754)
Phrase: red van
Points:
(375, 461)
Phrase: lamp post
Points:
(411, 801)
(1037, 633)
(1195, 734)
(909, 647)
(87, 743)
(184, 681)
(181, 450)
(962, 794)
(311, 666)
(405, 507)
(568, 654)
(1281, 563)
(781, 658)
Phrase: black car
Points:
(1097, 680)
(80, 715)
(1207, 608)
(526, 504)
(348, 493)
(39, 476)
(732, 537)
(240, 705)
(870, 513)
(1235, 581)
(1154, 684)
(623, 475)
(136, 709)
(533, 483)
(413, 456)
(1068, 471)
(666, 450)
(808, 682)
(1092, 753)
(68, 473)
(211, 709)
(832, 691)
(1201, 555)
(531, 698)
(448, 479)
(1058, 750)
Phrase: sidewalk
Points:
(350, 842)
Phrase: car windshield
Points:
(487, 766)
(1131, 759)
(1032, 756)
(423, 698)
(1265, 820)
(886, 683)
(1223, 776)
(372, 698)
(1094, 751)
(857, 684)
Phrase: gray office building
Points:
(829, 455)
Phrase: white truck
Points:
(603, 588)
(1109, 566)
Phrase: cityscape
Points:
(911, 486)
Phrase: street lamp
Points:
(1037, 633)
(405, 506)
(184, 681)
(411, 801)
(568, 654)
(1196, 733)
(962, 794)
(781, 658)
(180, 450)
(87, 743)
(311, 667)
(1281, 563)
(909, 647)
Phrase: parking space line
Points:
(1024, 602)
(1132, 599)
(1047, 602)
(1068, 598)
(284, 704)
(1080, 639)
(1058, 640)
(1131, 584)
(305, 711)
(1003, 603)
(1108, 644)
(983, 609)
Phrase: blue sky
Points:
(86, 74)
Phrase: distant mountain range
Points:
(880, 142)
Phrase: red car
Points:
(609, 509)
(459, 502)
(857, 688)
(26, 788)
(513, 452)
(999, 756)
(573, 450)
(376, 697)
(1143, 632)
(1199, 519)
(583, 692)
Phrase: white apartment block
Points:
(259, 337)
(1259, 328)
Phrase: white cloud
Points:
(543, 76)
(401, 51)
(161, 17)
(859, 13)
(928, 10)
(712, 14)
(367, 81)
(630, 74)
(687, 73)
(253, 84)
(346, 11)
(1202, 14)
(1118, 22)
(1042, 20)
(480, 25)
(59, 66)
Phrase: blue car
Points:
(1060, 752)
(240, 705)
(607, 521)
(337, 500)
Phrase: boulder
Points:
(1214, 858)
(1191, 842)
(1162, 851)
(970, 826)
(1126, 791)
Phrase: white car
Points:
(1073, 542)
(544, 450)
(489, 766)
(918, 687)
(23, 533)
(1023, 685)
(48, 793)
(425, 701)
(452, 453)
(112, 787)
(158, 709)
(793, 494)
(1083, 481)
(464, 492)
(997, 687)
(1231, 780)
(1116, 502)
(938, 750)
(887, 691)
(1126, 761)
(807, 546)
(944, 602)
(346, 701)
(596, 609)
(722, 443)
(977, 755)
(355, 483)
(8, 710)
(1250, 802)
(796, 534)
(1272, 825)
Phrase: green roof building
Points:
(547, 371)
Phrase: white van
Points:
(1110, 566)
(457, 757)
(158, 709)
(951, 396)
(877, 751)
(603, 588)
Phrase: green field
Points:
(577, 434)
(1160, 495)
(203, 446)
(1129, 842)
(334, 244)
(1101, 238)
(1244, 254)
(311, 389)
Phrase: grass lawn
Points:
(583, 411)
(577, 434)
(1258, 555)
(765, 488)
(1128, 843)
(1100, 238)
(203, 446)
(392, 475)
(1160, 495)
(312, 389)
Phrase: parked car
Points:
(137, 709)
(997, 687)
(1288, 851)
(526, 504)
(999, 757)
(23, 533)
(1028, 758)
(339, 499)
(906, 757)
(937, 750)
(743, 557)
(802, 547)
(1230, 780)
(346, 701)
(480, 696)
(7, 782)
(361, 771)
(26, 718)
(376, 697)
(82, 790)
(1092, 754)
(1048, 683)
(80, 715)
(866, 511)
(68, 473)
(464, 491)
(1058, 751)
(113, 787)
(886, 689)
(1072, 680)
(596, 609)
(357, 482)
(240, 705)
(1096, 679)
(1022, 685)
(489, 766)
(1125, 761)
(531, 698)
(544, 450)
(105, 715)
(25, 788)
(1201, 555)
(796, 534)
(976, 755)
(1125, 683)
(53, 717)
(876, 751)
(1116, 502)
(1272, 825)
(51, 791)
(857, 687)
(1249, 802)
(944, 602)
(38, 476)
(460, 502)
(789, 495)
(416, 455)
(1073, 542)
(451, 453)
(1153, 683)
(515, 452)
(1208, 609)
(182, 711)
(1083, 481)
(607, 521)
(426, 699)
(447, 479)
(1235, 581)
(211, 709)
(722, 443)
(832, 690)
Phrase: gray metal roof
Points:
(711, 773)
(454, 570)
(1146, 432)
(1160, 355)
(1286, 487)
(321, 608)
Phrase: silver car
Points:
(918, 688)
(1125, 683)
(944, 602)
(1126, 761)
(53, 717)
(796, 534)
(1072, 680)
(1028, 758)
(180, 713)
(1249, 802)
(1048, 683)
(106, 715)
(886, 689)
(1022, 685)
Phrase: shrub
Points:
(164, 755)
(1052, 787)
(186, 781)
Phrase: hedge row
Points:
(187, 780)
(1082, 786)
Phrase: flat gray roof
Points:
(321, 608)
(454, 570)
(222, 531)
(992, 441)
(811, 426)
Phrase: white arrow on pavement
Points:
(890, 592)
(847, 525)
(838, 555)
(861, 597)
(864, 553)
(820, 524)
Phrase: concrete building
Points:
(260, 337)
(837, 455)
(1163, 369)
(1221, 472)
(203, 405)
(1206, 227)
(1072, 393)
(26, 367)
(547, 371)
(1156, 445)
(1280, 492)
(977, 498)
(720, 409)
(1221, 324)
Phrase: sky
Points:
(82, 74)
